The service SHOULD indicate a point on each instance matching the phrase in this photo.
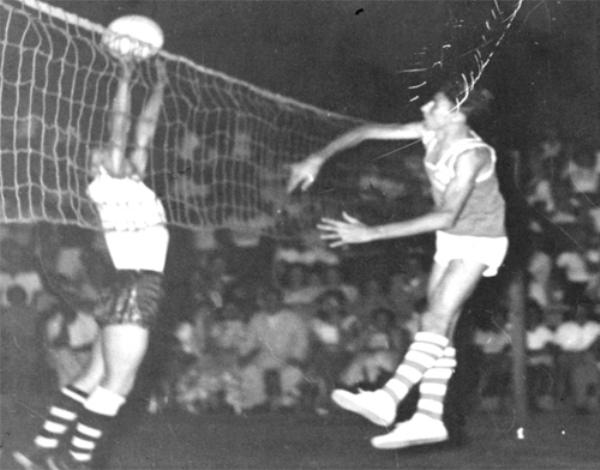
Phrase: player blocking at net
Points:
(134, 225)
(468, 220)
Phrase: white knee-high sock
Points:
(434, 385)
(100, 409)
(421, 355)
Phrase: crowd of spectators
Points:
(282, 340)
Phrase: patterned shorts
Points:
(134, 299)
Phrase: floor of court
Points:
(176, 440)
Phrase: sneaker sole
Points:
(413, 442)
(344, 400)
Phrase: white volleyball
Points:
(133, 36)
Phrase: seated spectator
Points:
(413, 324)
(335, 281)
(401, 295)
(275, 351)
(539, 269)
(211, 351)
(540, 359)
(573, 262)
(577, 338)
(371, 296)
(18, 270)
(493, 342)
(582, 174)
(381, 345)
(20, 343)
(334, 334)
(296, 287)
(69, 334)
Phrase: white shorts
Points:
(486, 250)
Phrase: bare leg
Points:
(449, 294)
(124, 348)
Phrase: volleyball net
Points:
(222, 147)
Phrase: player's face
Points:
(438, 111)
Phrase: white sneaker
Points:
(378, 406)
(418, 430)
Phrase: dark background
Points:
(346, 56)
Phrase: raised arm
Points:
(304, 173)
(120, 121)
(146, 124)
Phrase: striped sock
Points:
(421, 355)
(100, 409)
(61, 415)
(435, 384)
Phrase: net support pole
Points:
(519, 355)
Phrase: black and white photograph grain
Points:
(299, 234)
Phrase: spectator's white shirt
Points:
(573, 337)
(539, 338)
(68, 262)
(584, 180)
(542, 192)
(574, 265)
(83, 330)
(30, 281)
(133, 220)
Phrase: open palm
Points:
(342, 232)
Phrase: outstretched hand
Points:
(304, 173)
(343, 232)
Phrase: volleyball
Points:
(133, 36)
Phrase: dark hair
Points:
(389, 314)
(16, 295)
(332, 293)
(476, 106)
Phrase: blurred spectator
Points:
(20, 343)
(381, 345)
(539, 268)
(334, 334)
(582, 174)
(493, 342)
(334, 280)
(401, 295)
(69, 334)
(302, 284)
(275, 352)
(412, 324)
(18, 270)
(210, 352)
(541, 373)
(574, 263)
(371, 296)
(577, 338)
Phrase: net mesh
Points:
(221, 148)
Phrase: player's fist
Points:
(304, 173)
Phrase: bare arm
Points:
(146, 124)
(370, 132)
(304, 173)
(120, 121)
(351, 230)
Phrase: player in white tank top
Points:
(430, 359)
(134, 224)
